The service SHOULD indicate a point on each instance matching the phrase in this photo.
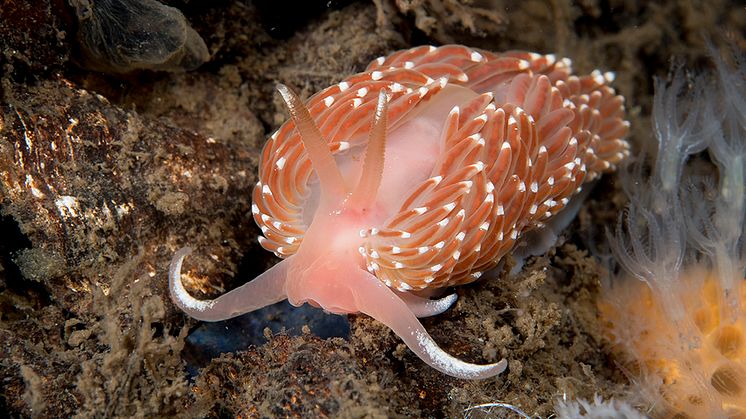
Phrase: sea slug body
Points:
(419, 173)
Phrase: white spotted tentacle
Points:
(267, 288)
(425, 307)
(377, 300)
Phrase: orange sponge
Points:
(691, 366)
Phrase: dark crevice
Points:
(13, 242)
(280, 24)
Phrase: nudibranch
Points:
(418, 174)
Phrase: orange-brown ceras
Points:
(419, 173)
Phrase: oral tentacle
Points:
(330, 178)
(425, 307)
(375, 299)
(370, 178)
(266, 289)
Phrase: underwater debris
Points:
(443, 19)
(120, 36)
(487, 408)
(33, 39)
(682, 326)
(598, 409)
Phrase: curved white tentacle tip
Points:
(432, 354)
(179, 294)
(285, 92)
(377, 300)
(422, 307)
(442, 304)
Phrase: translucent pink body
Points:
(418, 174)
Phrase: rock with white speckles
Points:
(91, 185)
